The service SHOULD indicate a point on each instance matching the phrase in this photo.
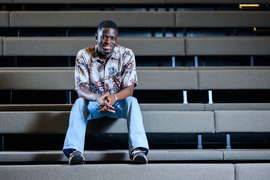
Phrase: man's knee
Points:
(80, 102)
(131, 100)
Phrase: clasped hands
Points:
(107, 103)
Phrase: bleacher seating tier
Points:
(208, 61)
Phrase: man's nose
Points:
(108, 40)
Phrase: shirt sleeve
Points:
(81, 72)
(130, 74)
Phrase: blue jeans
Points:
(84, 110)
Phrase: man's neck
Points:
(104, 58)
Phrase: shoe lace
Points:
(136, 151)
(73, 153)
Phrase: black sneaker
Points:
(138, 157)
(76, 157)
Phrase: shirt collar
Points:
(113, 56)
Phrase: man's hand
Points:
(107, 104)
(106, 101)
(111, 99)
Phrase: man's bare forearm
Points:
(88, 95)
(121, 95)
(111, 99)
(124, 93)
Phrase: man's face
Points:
(106, 40)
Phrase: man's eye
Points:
(106, 37)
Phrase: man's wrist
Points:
(97, 97)
(115, 97)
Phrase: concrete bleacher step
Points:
(237, 106)
(67, 107)
(64, 79)
(142, 19)
(119, 171)
(69, 46)
(56, 122)
(203, 171)
(155, 155)
(109, 156)
(180, 46)
(255, 79)
(246, 154)
(145, 107)
(258, 171)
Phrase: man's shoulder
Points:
(88, 50)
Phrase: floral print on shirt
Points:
(95, 75)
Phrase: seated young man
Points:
(105, 77)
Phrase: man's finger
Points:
(101, 105)
(108, 105)
(105, 96)
(102, 109)
(110, 110)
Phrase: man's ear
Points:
(96, 36)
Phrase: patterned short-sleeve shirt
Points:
(95, 75)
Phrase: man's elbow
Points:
(79, 93)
